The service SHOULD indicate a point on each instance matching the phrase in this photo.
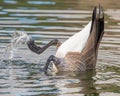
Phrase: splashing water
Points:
(18, 38)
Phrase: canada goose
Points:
(79, 52)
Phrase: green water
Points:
(45, 20)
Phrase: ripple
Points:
(53, 15)
(109, 94)
(2, 13)
(114, 14)
(42, 2)
(48, 11)
(10, 1)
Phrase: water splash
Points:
(18, 38)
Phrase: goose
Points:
(80, 51)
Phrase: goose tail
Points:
(97, 27)
(90, 51)
(100, 25)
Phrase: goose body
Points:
(79, 52)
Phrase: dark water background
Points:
(45, 20)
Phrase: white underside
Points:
(75, 43)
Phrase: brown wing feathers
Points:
(97, 30)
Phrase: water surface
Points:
(45, 20)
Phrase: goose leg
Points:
(37, 49)
(53, 59)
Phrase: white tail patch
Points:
(76, 43)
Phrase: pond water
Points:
(45, 20)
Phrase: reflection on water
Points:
(47, 19)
